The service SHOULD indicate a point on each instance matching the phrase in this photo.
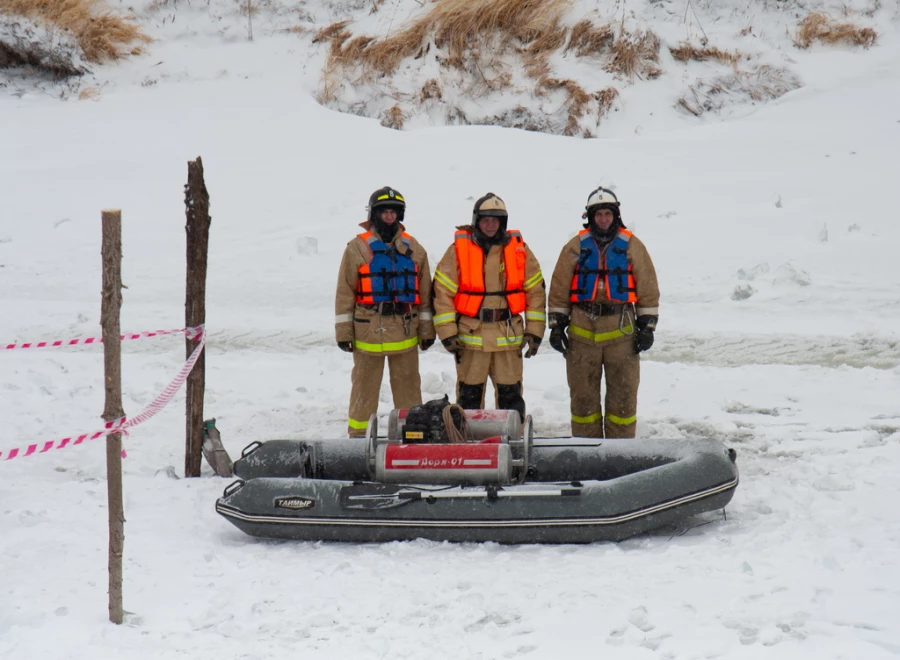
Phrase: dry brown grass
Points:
(351, 50)
(101, 34)
(431, 90)
(336, 34)
(383, 56)
(576, 98)
(586, 39)
(89, 94)
(578, 102)
(548, 40)
(819, 26)
(686, 51)
(394, 118)
(635, 55)
(343, 48)
(536, 66)
(460, 28)
(476, 43)
(605, 99)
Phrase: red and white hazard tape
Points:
(114, 426)
(190, 333)
(120, 425)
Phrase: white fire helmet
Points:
(602, 198)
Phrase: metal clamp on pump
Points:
(522, 451)
(371, 442)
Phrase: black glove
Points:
(558, 339)
(425, 344)
(454, 345)
(643, 337)
(346, 346)
(531, 342)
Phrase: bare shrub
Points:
(762, 84)
(819, 26)
(100, 33)
(686, 51)
(635, 55)
(394, 118)
(586, 39)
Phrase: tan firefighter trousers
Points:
(586, 365)
(365, 384)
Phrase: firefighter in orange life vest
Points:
(382, 309)
(484, 283)
(604, 290)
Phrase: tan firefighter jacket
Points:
(489, 336)
(588, 327)
(369, 330)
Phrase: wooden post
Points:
(111, 253)
(196, 201)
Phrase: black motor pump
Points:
(428, 422)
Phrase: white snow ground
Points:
(796, 199)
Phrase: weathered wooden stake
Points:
(111, 253)
(196, 201)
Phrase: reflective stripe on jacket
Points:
(470, 257)
(390, 276)
(616, 269)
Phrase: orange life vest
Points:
(389, 276)
(470, 258)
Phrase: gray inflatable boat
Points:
(503, 485)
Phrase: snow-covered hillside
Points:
(774, 230)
